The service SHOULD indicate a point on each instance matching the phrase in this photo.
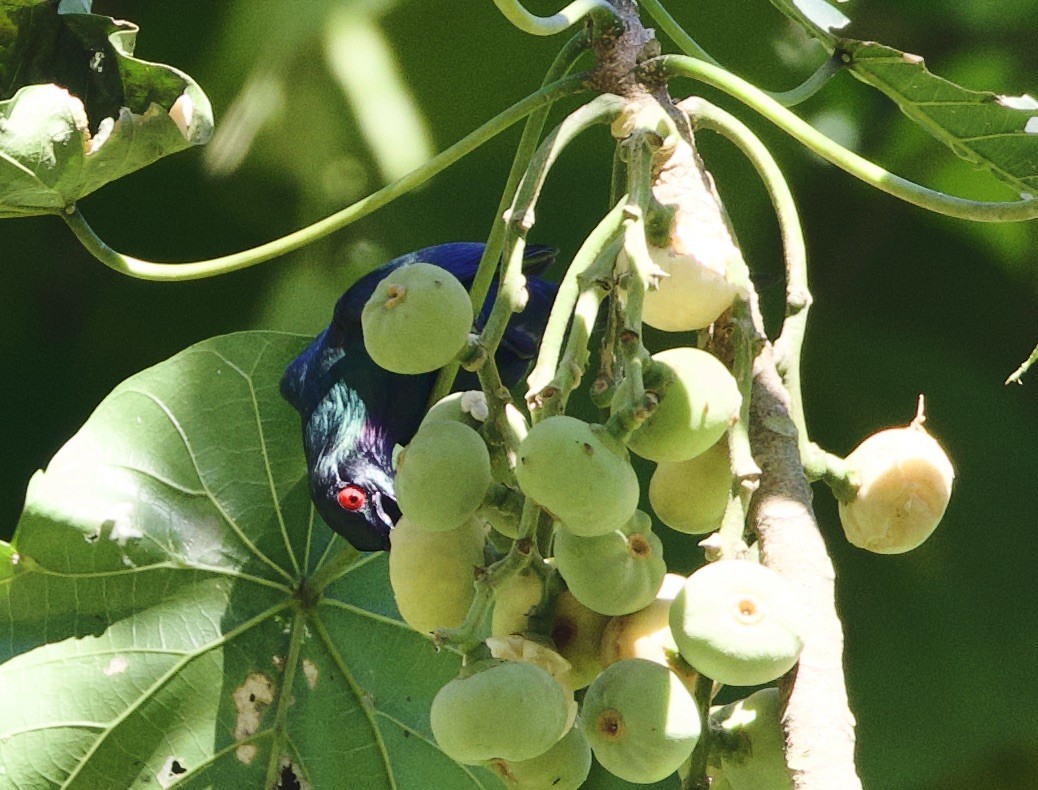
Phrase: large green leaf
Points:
(77, 110)
(997, 132)
(150, 623)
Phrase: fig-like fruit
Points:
(612, 574)
(905, 483)
(564, 766)
(432, 573)
(470, 408)
(577, 634)
(695, 408)
(641, 721)
(513, 599)
(512, 710)
(417, 319)
(756, 759)
(737, 622)
(691, 496)
(443, 475)
(579, 474)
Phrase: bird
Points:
(354, 413)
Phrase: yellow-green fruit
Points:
(417, 320)
(906, 481)
(691, 496)
(695, 409)
(613, 574)
(564, 766)
(470, 408)
(577, 634)
(575, 471)
(513, 600)
(640, 720)
(512, 710)
(737, 622)
(432, 573)
(646, 633)
(443, 475)
(757, 760)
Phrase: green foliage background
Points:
(941, 643)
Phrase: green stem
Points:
(852, 163)
(1020, 371)
(177, 272)
(331, 570)
(808, 88)
(564, 61)
(703, 693)
(550, 25)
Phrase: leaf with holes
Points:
(77, 110)
(998, 133)
(155, 628)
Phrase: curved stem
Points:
(550, 25)
(808, 88)
(857, 166)
(488, 262)
(176, 272)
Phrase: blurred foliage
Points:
(940, 642)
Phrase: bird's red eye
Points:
(351, 498)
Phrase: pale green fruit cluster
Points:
(443, 475)
(738, 623)
(507, 710)
(470, 408)
(695, 409)
(641, 721)
(691, 496)
(756, 759)
(617, 573)
(431, 573)
(564, 766)
(574, 471)
(417, 319)
(906, 481)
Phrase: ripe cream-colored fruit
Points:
(646, 633)
(443, 475)
(576, 472)
(691, 496)
(432, 573)
(693, 294)
(758, 761)
(641, 722)
(906, 481)
(695, 409)
(577, 633)
(512, 710)
(738, 623)
(417, 319)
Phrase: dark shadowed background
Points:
(942, 643)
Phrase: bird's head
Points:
(354, 495)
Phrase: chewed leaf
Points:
(152, 632)
(999, 133)
(77, 110)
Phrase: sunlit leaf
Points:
(77, 110)
(152, 625)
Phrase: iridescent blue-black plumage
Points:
(354, 412)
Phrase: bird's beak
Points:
(386, 509)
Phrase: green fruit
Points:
(417, 320)
(513, 599)
(691, 496)
(577, 634)
(575, 471)
(613, 574)
(443, 475)
(470, 408)
(756, 759)
(512, 710)
(695, 409)
(646, 633)
(432, 573)
(737, 622)
(640, 720)
(906, 481)
(564, 766)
